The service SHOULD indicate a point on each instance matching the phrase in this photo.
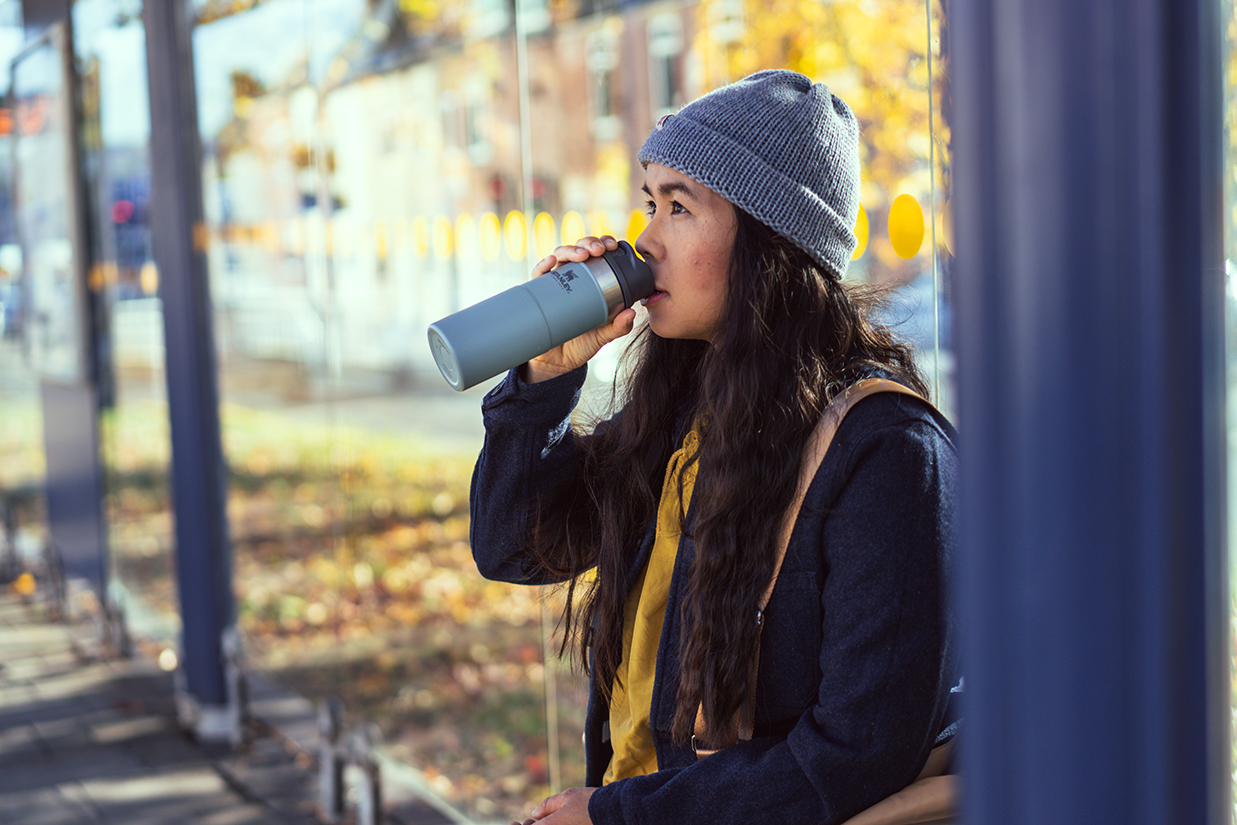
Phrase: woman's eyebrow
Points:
(667, 189)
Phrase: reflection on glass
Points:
(22, 462)
(21, 457)
(1228, 18)
(370, 168)
(44, 203)
(109, 41)
(932, 316)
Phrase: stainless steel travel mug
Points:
(534, 317)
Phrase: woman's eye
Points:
(676, 208)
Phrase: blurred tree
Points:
(209, 11)
(245, 87)
(875, 55)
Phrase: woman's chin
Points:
(661, 328)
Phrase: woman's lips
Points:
(653, 299)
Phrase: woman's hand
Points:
(567, 808)
(576, 352)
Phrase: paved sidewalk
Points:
(89, 739)
(86, 740)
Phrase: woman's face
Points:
(687, 245)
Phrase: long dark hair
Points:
(792, 336)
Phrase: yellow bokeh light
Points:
(149, 278)
(381, 241)
(543, 234)
(168, 660)
(270, 236)
(906, 226)
(491, 236)
(573, 228)
(25, 585)
(861, 232)
(515, 232)
(442, 237)
(636, 222)
(420, 236)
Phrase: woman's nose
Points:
(644, 245)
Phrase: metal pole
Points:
(203, 553)
(1089, 298)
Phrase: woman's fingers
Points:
(549, 806)
(576, 352)
(585, 248)
(571, 807)
(581, 250)
(573, 252)
(620, 326)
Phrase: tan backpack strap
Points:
(813, 454)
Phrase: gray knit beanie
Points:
(779, 147)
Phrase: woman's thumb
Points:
(549, 806)
(620, 326)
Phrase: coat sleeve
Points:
(529, 450)
(886, 653)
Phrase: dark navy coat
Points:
(857, 656)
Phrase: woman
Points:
(676, 502)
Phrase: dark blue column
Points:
(1089, 296)
(203, 554)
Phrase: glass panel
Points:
(369, 168)
(265, 232)
(110, 44)
(257, 112)
(933, 311)
(427, 157)
(1228, 18)
(23, 471)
